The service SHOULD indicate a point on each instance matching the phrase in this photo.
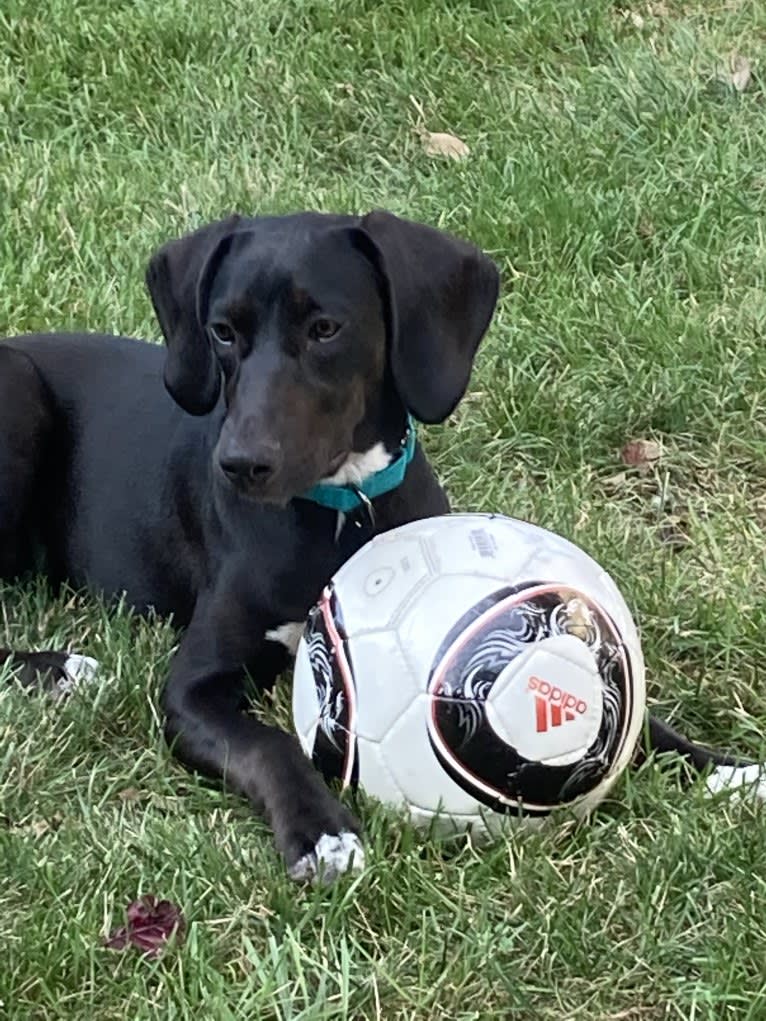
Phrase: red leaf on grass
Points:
(150, 924)
(641, 454)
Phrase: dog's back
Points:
(88, 463)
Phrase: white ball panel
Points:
(547, 703)
(376, 582)
(305, 699)
(407, 753)
(473, 544)
(612, 600)
(529, 552)
(375, 776)
(387, 683)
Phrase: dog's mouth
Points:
(270, 491)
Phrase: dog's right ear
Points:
(179, 278)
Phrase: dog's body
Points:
(296, 347)
(148, 519)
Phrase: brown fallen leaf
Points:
(129, 794)
(439, 143)
(641, 454)
(150, 923)
(39, 827)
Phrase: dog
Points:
(225, 479)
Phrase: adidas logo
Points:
(553, 705)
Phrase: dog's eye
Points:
(323, 329)
(222, 333)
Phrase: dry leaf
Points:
(439, 143)
(149, 925)
(633, 17)
(129, 794)
(39, 827)
(642, 454)
(741, 72)
(737, 74)
(616, 481)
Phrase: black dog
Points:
(297, 347)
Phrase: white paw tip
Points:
(333, 855)
(79, 670)
(747, 781)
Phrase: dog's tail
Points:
(724, 771)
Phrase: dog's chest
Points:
(296, 570)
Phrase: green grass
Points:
(622, 190)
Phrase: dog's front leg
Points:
(209, 732)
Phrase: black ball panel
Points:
(465, 669)
(335, 746)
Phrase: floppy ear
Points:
(179, 277)
(441, 294)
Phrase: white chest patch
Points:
(359, 466)
(288, 635)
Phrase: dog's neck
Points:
(377, 446)
(370, 472)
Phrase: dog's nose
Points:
(252, 468)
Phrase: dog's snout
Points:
(252, 468)
(242, 469)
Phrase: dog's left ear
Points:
(441, 294)
(179, 277)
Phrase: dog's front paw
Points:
(76, 671)
(332, 856)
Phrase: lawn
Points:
(619, 180)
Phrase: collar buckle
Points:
(365, 506)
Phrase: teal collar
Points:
(348, 498)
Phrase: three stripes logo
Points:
(553, 705)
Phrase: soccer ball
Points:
(468, 668)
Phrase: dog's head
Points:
(320, 332)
